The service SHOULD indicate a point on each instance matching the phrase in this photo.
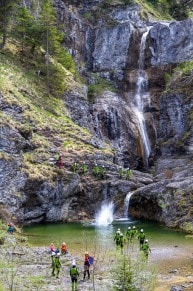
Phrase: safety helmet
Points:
(133, 226)
(73, 264)
(121, 234)
(129, 227)
(63, 243)
(141, 230)
(146, 240)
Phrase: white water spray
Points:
(105, 215)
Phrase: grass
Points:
(42, 117)
(155, 11)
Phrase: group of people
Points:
(62, 250)
(97, 170)
(129, 236)
(74, 273)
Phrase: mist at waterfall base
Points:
(104, 216)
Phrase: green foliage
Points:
(167, 77)
(27, 29)
(6, 9)
(178, 9)
(186, 68)
(89, 16)
(106, 4)
(133, 274)
(99, 87)
(127, 2)
(188, 227)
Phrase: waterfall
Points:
(105, 215)
(142, 98)
(126, 204)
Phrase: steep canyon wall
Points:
(105, 44)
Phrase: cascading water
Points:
(142, 99)
(126, 204)
(105, 215)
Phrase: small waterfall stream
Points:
(142, 99)
(126, 204)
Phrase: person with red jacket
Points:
(86, 265)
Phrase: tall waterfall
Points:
(142, 99)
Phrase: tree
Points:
(180, 9)
(23, 25)
(51, 38)
(133, 274)
(6, 10)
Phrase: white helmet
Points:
(146, 240)
(118, 229)
(129, 227)
(141, 230)
(121, 234)
(133, 226)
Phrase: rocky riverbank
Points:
(29, 268)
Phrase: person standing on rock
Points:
(59, 160)
(121, 172)
(74, 276)
(128, 173)
(102, 172)
(96, 170)
(74, 167)
(10, 228)
(84, 168)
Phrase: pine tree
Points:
(6, 10)
(28, 29)
(51, 38)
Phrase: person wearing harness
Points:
(117, 238)
(141, 238)
(146, 249)
(56, 265)
(86, 265)
(74, 276)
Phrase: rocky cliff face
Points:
(107, 44)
